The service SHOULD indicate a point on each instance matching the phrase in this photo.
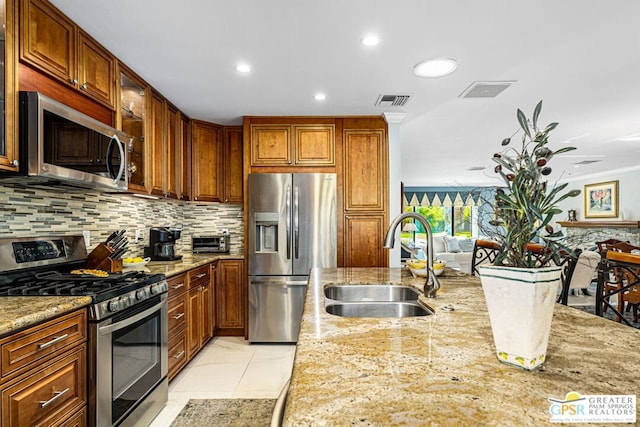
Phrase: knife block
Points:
(100, 259)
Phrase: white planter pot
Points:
(520, 303)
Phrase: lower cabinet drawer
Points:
(78, 419)
(177, 353)
(50, 394)
(177, 313)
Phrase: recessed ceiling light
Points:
(437, 67)
(370, 40)
(319, 96)
(243, 68)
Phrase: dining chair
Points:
(579, 275)
(624, 247)
(622, 272)
(604, 245)
(484, 252)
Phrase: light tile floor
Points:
(229, 368)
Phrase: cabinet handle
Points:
(179, 355)
(53, 341)
(178, 286)
(178, 316)
(15, 163)
(84, 86)
(201, 275)
(74, 81)
(57, 395)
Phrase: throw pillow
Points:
(438, 244)
(466, 245)
(451, 244)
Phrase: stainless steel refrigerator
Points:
(292, 228)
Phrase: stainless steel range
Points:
(127, 374)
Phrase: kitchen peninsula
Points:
(442, 369)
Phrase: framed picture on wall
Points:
(601, 200)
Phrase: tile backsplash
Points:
(30, 211)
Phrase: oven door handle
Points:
(105, 330)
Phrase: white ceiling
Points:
(581, 57)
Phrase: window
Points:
(451, 220)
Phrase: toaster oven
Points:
(210, 244)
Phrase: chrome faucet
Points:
(431, 285)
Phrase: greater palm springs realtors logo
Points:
(603, 408)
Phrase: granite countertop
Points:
(442, 369)
(188, 262)
(20, 312)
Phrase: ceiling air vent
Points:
(485, 89)
(587, 162)
(392, 100)
(477, 168)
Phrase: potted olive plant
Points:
(520, 287)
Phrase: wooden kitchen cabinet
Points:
(233, 175)
(365, 170)
(200, 306)
(178, 322)
(185, 157)
(131, 118)
(207, 154)
(292, 145)
(55, 45)
(165, 145)
(230, 297)
(363, 241)
(9, 146)
(44, 373)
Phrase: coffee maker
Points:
(162, 242)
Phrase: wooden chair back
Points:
(484, 252)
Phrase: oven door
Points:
(130, 359)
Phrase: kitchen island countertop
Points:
(442, 369)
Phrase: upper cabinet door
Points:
(8, 87)
(207, 160)
(48, 40)
(131, 116)
(270, 145)
(96, 70)
(314, 145)
(365, 166)
(156, 142)
(233, 176)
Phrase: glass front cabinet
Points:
(131, 120)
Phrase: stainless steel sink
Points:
(383, 293)
(378, 309)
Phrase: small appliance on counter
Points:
(210, 244)
(162, 242)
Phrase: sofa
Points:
(457, 252)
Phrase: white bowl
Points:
(136, 264)
(438, 268)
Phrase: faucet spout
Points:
(432, 284)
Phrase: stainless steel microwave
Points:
(60, 144)
(210, 244)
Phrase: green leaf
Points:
(523, 122)
(550, 127)
(536, 113)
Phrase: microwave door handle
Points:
(115, 139)
(288, 221)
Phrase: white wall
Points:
(628, 194)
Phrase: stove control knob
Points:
(115, 305)
(156, 289)
(141, 294)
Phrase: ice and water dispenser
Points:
(266, 232)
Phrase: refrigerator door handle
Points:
(288, 221)
(296, 229)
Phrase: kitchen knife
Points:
(119, 236)
(120, 244)
(111, 237)
(118, 254)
